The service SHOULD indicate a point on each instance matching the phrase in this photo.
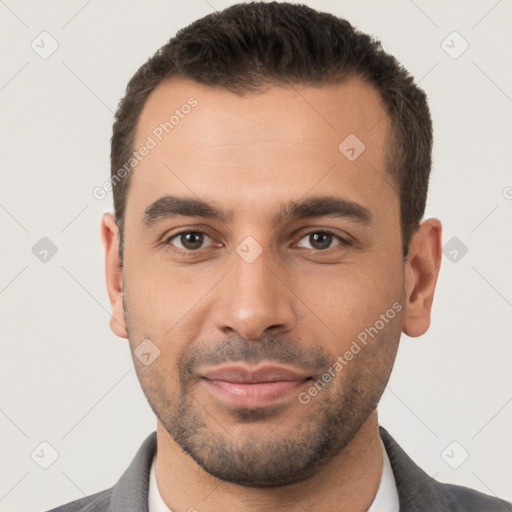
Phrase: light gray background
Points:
(66, 379)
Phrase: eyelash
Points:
(193, 252)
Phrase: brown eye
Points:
(188, 240)
(320, 240)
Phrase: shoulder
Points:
(417, 491)
(128, 494)
(98, 502)
(463, 498)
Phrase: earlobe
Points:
(421, 273)
(113, 273)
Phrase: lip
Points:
(244, 386)
(247, 375)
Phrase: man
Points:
(270, 168)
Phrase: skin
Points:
(250, 155)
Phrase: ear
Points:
(113, 273)
(421, 272)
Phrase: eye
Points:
(188, 240)
(322, 240)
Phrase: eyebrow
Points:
(171, 206)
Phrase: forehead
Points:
(283, 141)
(313, 112)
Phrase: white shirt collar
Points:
(155, 501)
(386, 499)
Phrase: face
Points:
(265, 266)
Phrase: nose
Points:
(253, 299)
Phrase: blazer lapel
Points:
(416, 490)
(130, 494)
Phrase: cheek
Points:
(160, 384)
(169, 306)
(160, 294)
(346, 301)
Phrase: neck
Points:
(348, 482)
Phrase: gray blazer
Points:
(416, 490)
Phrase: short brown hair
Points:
(252, 45)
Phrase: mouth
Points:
(244, 386)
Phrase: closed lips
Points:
(243, 375)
